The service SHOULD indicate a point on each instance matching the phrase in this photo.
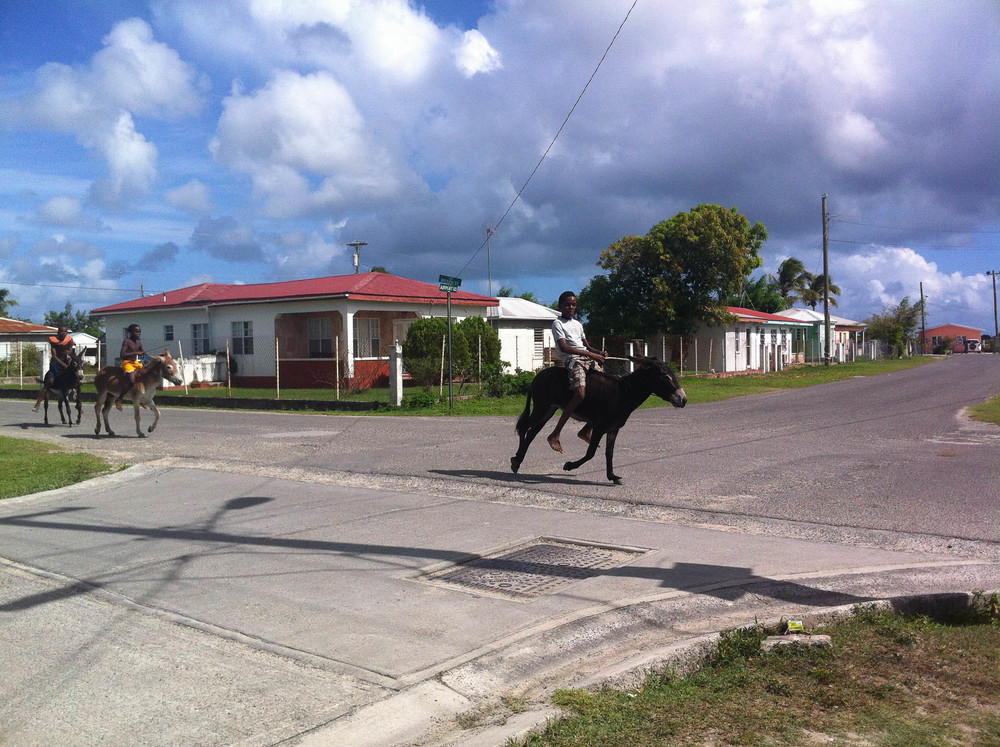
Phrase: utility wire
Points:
(554, 138)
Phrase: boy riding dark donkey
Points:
(61, 347)
(131, 354)
(577, 356)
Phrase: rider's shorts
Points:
(130, 366)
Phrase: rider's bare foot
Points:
(35, 408)
(118, 404)
(554, 443)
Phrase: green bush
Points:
(422, 350)
(419, 400)
(496, 383)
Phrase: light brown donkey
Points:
(110, 380)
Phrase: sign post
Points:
(449, 285)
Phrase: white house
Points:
(848, 336)
(525, 331)
(752, 341)
(305, 333)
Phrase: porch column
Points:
(349, 343)
(396, 375)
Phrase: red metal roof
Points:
(748, 315)
(369, 285)
(16, 326)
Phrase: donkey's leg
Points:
(609, 456)
(79, 406)
(156, 415)
(595, 441)
(46, 408)
(135, 407)
(534, 426)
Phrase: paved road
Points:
(262, 577)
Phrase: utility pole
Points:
(357, 253)
(923, 323)
(826, 290)
(994, 341)
(489, 272)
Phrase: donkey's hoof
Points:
(515, 464)
(615, 479)
(569, 466)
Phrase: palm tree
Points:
(813, 295)
(792, 280)
(6, 302)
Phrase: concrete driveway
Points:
(261, 578)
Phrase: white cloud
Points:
(64, 210)
(193, 198)
(299, 127)
(475, 55)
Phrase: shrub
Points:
(496, 383)
(422, 350)
(419, 400)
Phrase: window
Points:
(736, 339)
(168, 332)
(320, 337)
(199, 336)
(366, 342)
(539, 341)
(242, 334)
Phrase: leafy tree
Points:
(379, 268)
(813, 295)
(78, 321)
(507, 291)
(422, 350)
(479, 336)
(6, 303)
(761, 294)
(896, 325)
(676, 277)
(792, 280)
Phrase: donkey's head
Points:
(661, 379)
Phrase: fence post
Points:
(441, 385)
(396, 375)
(180, 355)
(277, 370)
(480, 376)
(229, 381)
(336, 359)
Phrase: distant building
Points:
(962, 339)
(525, 331)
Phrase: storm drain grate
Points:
(538, 567)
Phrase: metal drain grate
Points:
(534, 568)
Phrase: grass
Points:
(889, 680)
(987, 412)
(32, 466)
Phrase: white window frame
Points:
(200, 338)
(319, 332)
(242, 338)
(366, 337)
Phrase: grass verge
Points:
(888, 679)
(987, 412)
(32, 466)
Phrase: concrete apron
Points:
(169, 605)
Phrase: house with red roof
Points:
(301, 333)
(951, 338)
(753, 341)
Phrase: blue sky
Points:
(156, 144)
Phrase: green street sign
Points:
(449, 284)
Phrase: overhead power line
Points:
(554, 138)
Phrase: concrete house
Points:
(963, 339)
(752, 341)
(307, 333)
(847, 335)
(525, 331)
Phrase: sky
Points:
(148, 145)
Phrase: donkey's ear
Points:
(165, 351)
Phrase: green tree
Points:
(813, 295)
(422, 350)
(507, 291)
(79, 321)
(761, 294)
(6, 303)
(792, 280)
(896, 325)
(675, 278)
(479, 337)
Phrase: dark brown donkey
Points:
(609, 402)
(65, 388)
(110, 380)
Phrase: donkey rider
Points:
(132, 354)
(61, 346)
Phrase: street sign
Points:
(449, 284)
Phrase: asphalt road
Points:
(263, 578)
(888, 459)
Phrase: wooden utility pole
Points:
(826, 291)
(923, 323)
